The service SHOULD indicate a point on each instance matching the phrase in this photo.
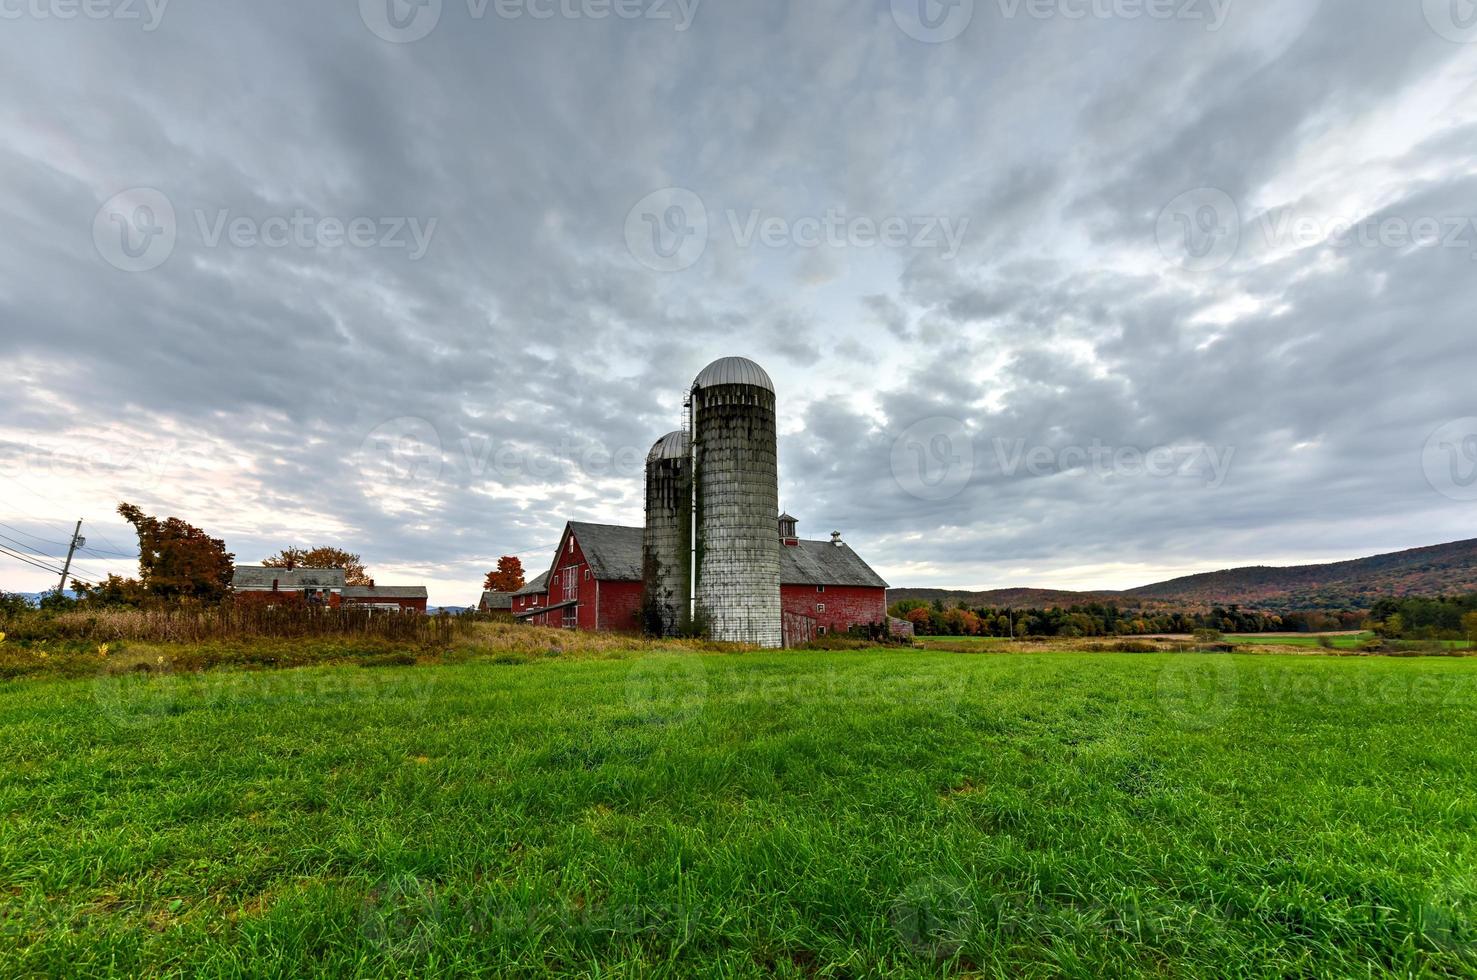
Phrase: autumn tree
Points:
(322, 557)
(178, 560)
(112, 591)
(507, 578)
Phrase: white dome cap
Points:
(673, 445)
(733, 371)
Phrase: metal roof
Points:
(614, 554)
(733, 371)
(824, 563)
(673, 445)
(536, 587)
(385, 592)
(259, 578)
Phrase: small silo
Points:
(734, 432)
(666, 544)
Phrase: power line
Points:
(4, 476)
(22, 544)
(59, 544)
(52, 523)
(19, 557)
(51, 558)
(107, 555)
(45, 568)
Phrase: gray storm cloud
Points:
(1121, 272)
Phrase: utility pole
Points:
(77, 541)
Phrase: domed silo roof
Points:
(733, 371)
(673, 445)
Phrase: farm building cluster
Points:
(715, 555)
(261, 585)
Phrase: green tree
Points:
(1469, 627)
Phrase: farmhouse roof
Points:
(537, 587)
(259, 578)
(385, 592)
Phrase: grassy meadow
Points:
(544, 812)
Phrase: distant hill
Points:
(1444, 569)
(1018, 598)
(35, 597)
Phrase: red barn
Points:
(825, 587)
(595, 584)
(533, 597)
(595, 581)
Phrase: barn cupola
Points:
(788, 534)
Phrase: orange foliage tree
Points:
(507, 578)
(178, 560)
(354, 571)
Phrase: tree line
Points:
(1422, 618)
(1106, 619)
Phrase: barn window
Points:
(820, 607)
(571, 546)
(820, 588)
(587, 575)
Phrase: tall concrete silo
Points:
(666, 545)
(735, 445)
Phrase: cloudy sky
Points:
(1072, 293)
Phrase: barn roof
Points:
(613, 553)
(497, 600)
(385, 592)
(259, 578)
(536, 587)
(825, 563)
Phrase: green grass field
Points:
(1339, 641)
(803, 814)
